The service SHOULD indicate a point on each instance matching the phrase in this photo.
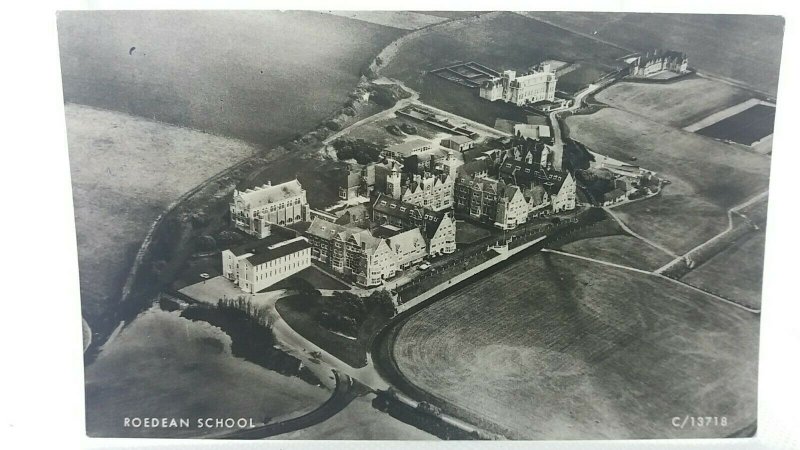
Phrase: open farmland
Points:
(620, 249)
(246, 74)
(360, 421)
(404, 20)
(162, 365)
(498, 40)
(125, 172)
(572, 349)
(735, 273)
(719, 44)
(746, 127)
(707, 177)
(678, 103)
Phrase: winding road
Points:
(345, 392)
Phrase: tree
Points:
(383, 302)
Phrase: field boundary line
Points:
(638, 236)
(633, 269)
(719, 116)
(595, 260)
(714, 296)
(727, 230)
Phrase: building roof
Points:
(476, 166)
(262, 195)
(325, 229)
(407, 148)
(458, 139)
(277, 234)
(408, 212)
(536, 195)
(406, 241)
(279, 250)
(616, 193)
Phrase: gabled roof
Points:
(407, 240)
(476, 166)
(411, 213)
(262, 195)
(324, 229)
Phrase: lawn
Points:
(302, 314)
(468, 233)
(162, 365)
(735, 273)
(621, 249)
(707, 177)
(551, 347)
(677, 104)
(317, 278)
(376, 131)
(125, 171)
(720, 44)
(246, 74)
(746, 127)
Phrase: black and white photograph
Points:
(420, 225)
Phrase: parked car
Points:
(424, 266)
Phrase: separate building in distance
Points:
(537, 85)
(650, 64)
(282, 204)
(257, 265)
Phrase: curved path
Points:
(344, 393)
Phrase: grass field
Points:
(162, 365)
(624, 250)
(677, 104)
(376, 131)
(246, 74)
(551, 347)
(360, 421)
(707, 177)
(125, 172)
(735, 273)
(746, 127)
(719, 44)
(317, 278)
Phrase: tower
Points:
(393, 187)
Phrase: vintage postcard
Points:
(427, 225)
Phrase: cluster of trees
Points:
(596, 182)
(362, 151)
(387, 94)
(246, 306)
(345, 312)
